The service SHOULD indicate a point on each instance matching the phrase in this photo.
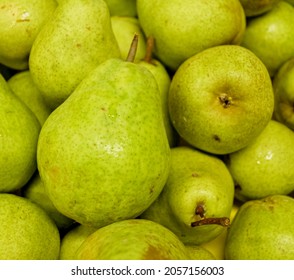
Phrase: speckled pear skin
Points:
(19, 132)
(133, 239)
(103, 154)
(266, 166)
(262, 230)
(194, 178)
(26, 232)
(77, 38)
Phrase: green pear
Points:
(197, 199)
(26, 232)
(257, 7)
(125, 8)
(35, 191)
(290, 2)
(20, 22)
(124, 29)
(19, 132)
(24, 87)
(133, 239)
(72, 240)
(262, 230)
(221, 99)
(270, 36)
(78, 37)
(163, 80)
(266, 166)
(103, 155)
(283, 85)
(197, 252)
(184, 28)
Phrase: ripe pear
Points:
(163, 79)
(125, 8)
(257, 7)
(270, 36)
(197, 199)
(283, 85)
(20, 23)
(24, 87)
(262, 230)
(124, 29)
(77, 38)
(103, 155)
(19, 132)
(26, 232)
(34, 191)
(72, 240)
(132, 239)
(183, 28)
(266, 166)
(221, 99)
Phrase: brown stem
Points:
(133, 49)
(224, 221)
(149, 49)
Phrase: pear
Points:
(26, 232)
(257, 7)
(221, 99)
(78, 37)
(283, 85)
(20, 23)
(124, 29)
(24, 87)
(103, 155)
(262, 230)
(266, 166)
(163, 80)
(270, 36)
(132, 239)
(34, 191)
(125, 8)
(184, 28)
(19, 132)
(197, 252)
(72, 240)
(197, 199)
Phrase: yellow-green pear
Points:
(103, 155)
(266, 166)
(24, 87)
(283, 85)
(124, 29)
(257, 7)
(125, 8)
(20, 23)
(183, 28)
(197, 199)
(197, 252)
(262, 230)
(73, 42)
(163, 80)
(26, 232)
(133, 239)
(270, 36)
(221, 99)
(35, 191)
(19, 132)
(72, 240)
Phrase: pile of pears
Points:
(146, 130)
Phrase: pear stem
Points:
(133, 49)
(224, 221)
(149, 49)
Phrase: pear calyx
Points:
(225, 100)
(133, 48)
